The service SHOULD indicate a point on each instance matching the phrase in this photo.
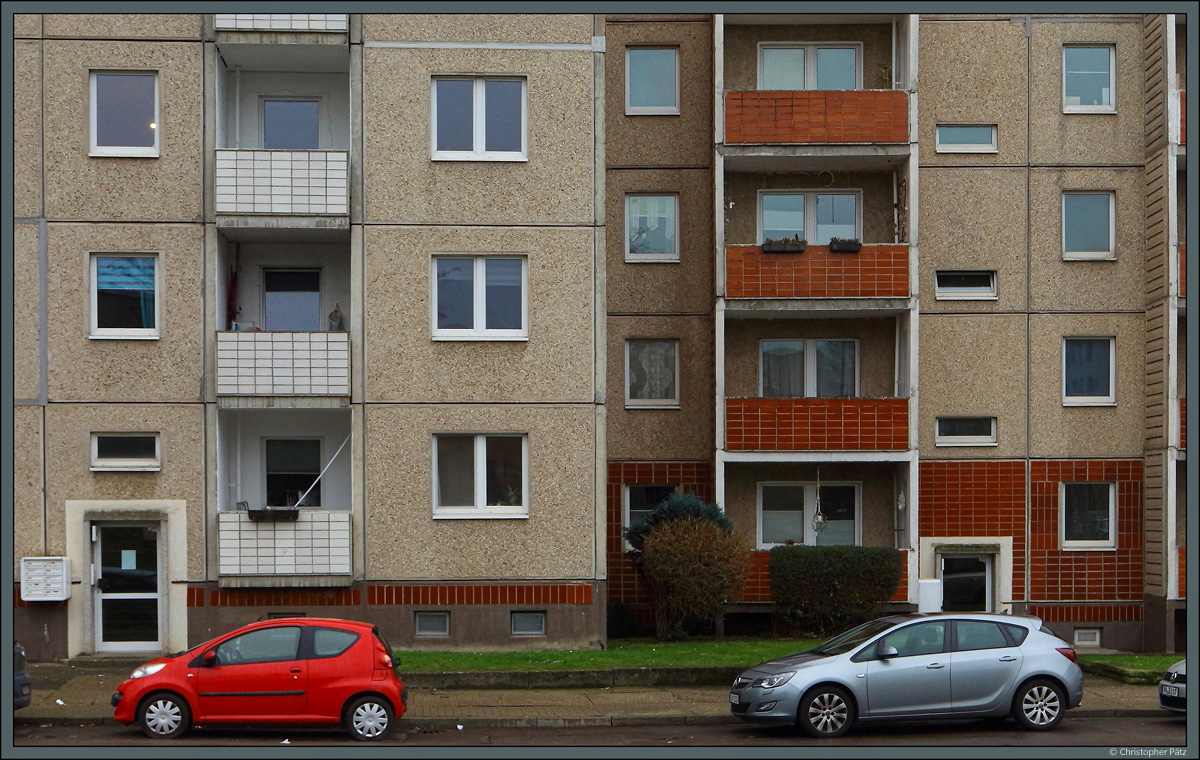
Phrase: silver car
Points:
(925, 666)
(1172, 689)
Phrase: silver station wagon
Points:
(917, 666)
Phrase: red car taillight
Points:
(1067, 652)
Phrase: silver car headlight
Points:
(148, 670)
(770, 682)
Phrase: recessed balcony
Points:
(816, 424)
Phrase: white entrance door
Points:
(127, 592)
(967, 582)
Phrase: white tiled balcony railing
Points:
(283, 363)
(317, 543)
(282, 181)
(284, 22)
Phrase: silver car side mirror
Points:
(887, 653)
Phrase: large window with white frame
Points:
(124, 114)
(1089, 371)
(479, 297)
(813, 215)
(1089, 78)
(808, 368)
(1089, 228)
(652, 373)
(651, 81)
(965, 138)
(291, 123)
(1087, 516)
(482, 475)
(125, 300)
(810, 66)
(129, 452)
(806, 514)
(479, 118)
(651, 227)
(639, 500)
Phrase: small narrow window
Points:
(652, 373)
(641, 500)
(651, 81)
(1088, 224)
(431, 623)
(479, 298)
(651, 228)
(124, 113)
(479, 119)
(125, 296)
(966, 138)
(966, 431)
(133, 452)
(480, 476)
(966, 286)
(1087, 517)
(1089, 372)
(1089, 78)
(291, 124)
(528, 623)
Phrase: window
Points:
(330, 642)
(651, 228)
(137, 452)
(480, 475)
(640, 501)
(291, 124)
(125, 296)
(651, 81)
(528, 623)
(1089, 371)
(479, 298)
(278, 644)
(919, 639)
(825, 66)
(787, 513)
(652, 373)
(966, 138)
(292, 299)
(431, 623)
(292, 467)
(124, 113)
(965, 431)
(1087, 519)
(813, 216)
(809, 368)
(977, 634)
(1088, 225)
(479, 118)
(966, 286)
(1089, 78)
(1087, 637)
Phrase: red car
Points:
(308, 671)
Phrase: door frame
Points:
(96, 527)
(989, 575)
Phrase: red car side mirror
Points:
(210, 657)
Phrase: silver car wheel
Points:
(826, 712)
(1040, 705)
(164, 716)
(369, 719)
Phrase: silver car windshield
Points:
(844, 642)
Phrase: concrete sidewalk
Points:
(79, 692)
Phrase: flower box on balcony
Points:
(838, 245)
(273, 514)
(784, 245)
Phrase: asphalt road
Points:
(1113, 733)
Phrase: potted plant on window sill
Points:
(844, 245)
(784, 245)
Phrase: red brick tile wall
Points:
(545, 593)
(1182, 572)
(624, 582)
(816, 116)
(901, 594)
(1183, 423)
(877, 271)
(816, 424)
(279, 597)
(976, 498)
(1086, 613)
(1108, 575)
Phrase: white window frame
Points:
(625, 496)
(1111, 542)
(951, 293)
(125, 333)
(810, 209)
(479, 293)
(126, 151)
(810, 61)
(431, 614)
(941, 147)
(1111, 398)
(964, 440)
(481, 510)
(479, 121)
(512, 627)
(126, 465)
(1108, 255)
(810, 365)
(652, 258)
(810, 493)
(652, 110)
(636, 403)
(1112, 79)
(262, 115)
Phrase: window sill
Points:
(1088, 548)
(123, 337)
(953, 149)
(651, 111)
(482, 337)
(494, 513)
(1089, 257)
(950, 444)
(967, 297)
(651, 406)
(485, 157)
(651, 259)
(1089, 110)
(1088, 403)
(118, 153)
(156, 467)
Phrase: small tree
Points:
(675, 507)
(693, 566)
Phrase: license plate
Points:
(733, 698)
(1167, 691)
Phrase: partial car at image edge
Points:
(1172, 689)
(22, 681)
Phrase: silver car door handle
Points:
(934, 666)
(1008, 658)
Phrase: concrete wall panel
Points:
(166, 188)
(27, 129)
(27, 24)
(123, 25)
(878, 200)
(28, 484)
(25, 329)
(741, 49)
(479, 27)
(168, 369)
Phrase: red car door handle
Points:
(296, 670)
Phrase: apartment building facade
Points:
(406, 317)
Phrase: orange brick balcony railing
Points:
(877, 271)
(816, 424)
(816, 116)
(1182, 552)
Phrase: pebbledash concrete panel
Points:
(508, 28)
(27, 128)
(26, 327)
(28, 486)
(123, 25)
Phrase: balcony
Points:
(293, 182)
(875, 272)
(816, 116)
(283, 363)
(816, 424)
(316, 546)
(281, 22)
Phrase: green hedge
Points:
(823, 590)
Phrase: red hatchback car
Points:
(308, 671)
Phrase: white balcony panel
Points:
(292, 22)
(269, 363)
(281, 548)
(282, 182)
